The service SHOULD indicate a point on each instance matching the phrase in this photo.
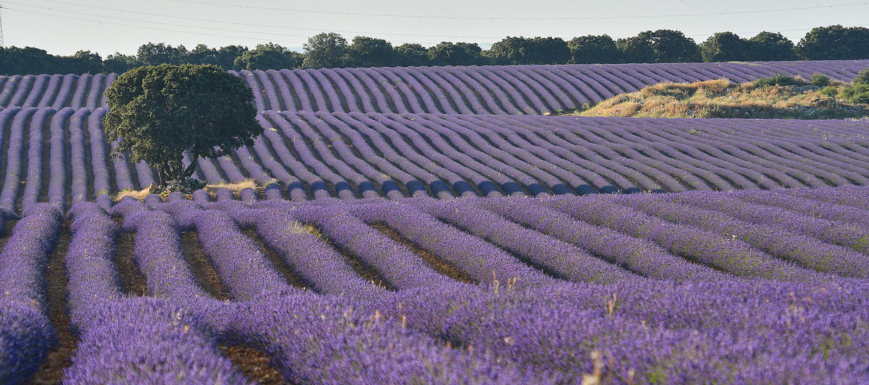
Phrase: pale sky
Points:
(108, 26)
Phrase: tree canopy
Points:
(835, 43)
(370, 52)
(770, 46)
(723, 46)
(593, 49)
(159, 112)
(522, 50)
(458, 54)
(325, 50)
(661, 46)
(411, 54)
(268, 56)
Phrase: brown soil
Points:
(7, 233)
(441, 266)
(201, 267)
(51, 371)
(133, 283)
(363, 269)
(255, 364)
(276, 261)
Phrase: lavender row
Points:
(26, 334)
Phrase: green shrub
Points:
(858, 93)
(862, 77)
(830, 91)
(820, 80)
(776, 80)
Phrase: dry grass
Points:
(723, 99)
(234, 187)
(211, 189)
(137, 194)
(301, 228)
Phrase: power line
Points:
(156, 22)
(520, 18)
(258, 25)
(136, 26)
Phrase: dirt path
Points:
(51, 371)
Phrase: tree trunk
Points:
(161, 175)
(188, 172)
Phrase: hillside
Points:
(483, 90)
(725, 99)
(363, 240)
(61, 156)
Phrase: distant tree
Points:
(510, 50)
(267, 56)
(455, 54)
(120, 63)
(27, 60)
(549, 50)
(661, 46)
(593, 49)
(325, 50)
(202, 54)
(155, 54)
(835, 43)
(84, 62)
(409, 54)
(370, 52)
(769, 46)
(723, 46)
(159, 112)
(635, 50)
(226, 56)
(522, 50)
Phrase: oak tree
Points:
(158, 113)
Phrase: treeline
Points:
(331, 50)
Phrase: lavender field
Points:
(60, 157)
(409, 228)
(725, 287)
(487, 90)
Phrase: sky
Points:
(63, 27)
